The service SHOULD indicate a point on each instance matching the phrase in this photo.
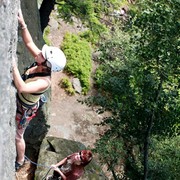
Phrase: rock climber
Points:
(32, 84)
(71, 167)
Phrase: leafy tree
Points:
(164, 159)
(90, 12)
(157, 46)
(139, 83)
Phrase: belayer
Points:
(71, 167)
(32, 84)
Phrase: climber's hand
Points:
(14, 62)
(53, 166)
(21, 18)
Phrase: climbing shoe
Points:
(18, 165)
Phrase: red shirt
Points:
(76, 173)
(73, 170)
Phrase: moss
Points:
(78, 53)
(67, 86)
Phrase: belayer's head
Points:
(85, 156)
(55, 57)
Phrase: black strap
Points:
(26, 99)
(25, 77)
(41, 74)
(24, 104)
(37, 74)
(37, 94)
(32, 65)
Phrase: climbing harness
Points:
(24, 113)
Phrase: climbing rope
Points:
(46, 174)
(42, 165)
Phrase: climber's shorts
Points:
(25, 114)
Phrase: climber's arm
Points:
(59, 163)
(55, 167)
(27, 36)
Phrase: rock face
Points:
(11, 46)
(8, 36)
(55, 149)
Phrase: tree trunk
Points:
(148, 133)
(146, 147)
(45, 10)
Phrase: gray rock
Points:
(8, 36)
(77, 85)
(55, 149)
(96, 55)
(54, 24)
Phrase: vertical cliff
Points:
(12, 45)
(8, 36)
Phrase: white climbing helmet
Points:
(55, 56)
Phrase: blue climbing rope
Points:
(42, 165)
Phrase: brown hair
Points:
(86, 156)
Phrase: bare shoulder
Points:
(45, 80)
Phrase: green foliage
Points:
(114, 67)
(156, 39)
(138, 82)
(112, 79)
(89, 36)
(85, 10)
(165, 159)
(110, 150)
(78, 53)
(161, 30)
(67, 85)
(90, 13)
